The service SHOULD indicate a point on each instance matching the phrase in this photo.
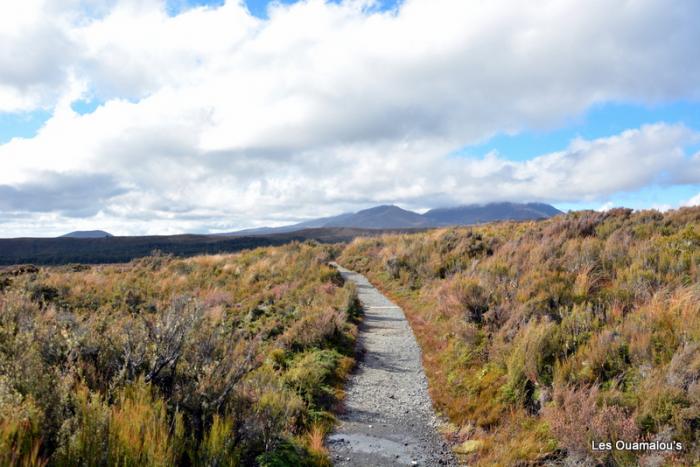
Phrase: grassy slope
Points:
(213, 360)
(540, 337)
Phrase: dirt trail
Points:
(389, 418)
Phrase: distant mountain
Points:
(393, 217)
(312, 224)
(87, 234)
(98, 246)
(381, 217)
(477, 214)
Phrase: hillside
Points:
(381, 217)
(539, 338)
(214, 360)
(394, 217)
(479, 214)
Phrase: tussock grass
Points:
(540, 337)
(220, 360)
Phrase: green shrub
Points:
(311, 375)
(85, 435)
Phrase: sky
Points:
(164, 117)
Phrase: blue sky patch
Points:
(654, 196)
(83, 107)
(257, 8)
(21, 125)
(599, 122)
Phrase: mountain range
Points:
(98, 246)
(394, 217)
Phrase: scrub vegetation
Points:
(539, 338)
(215, 360)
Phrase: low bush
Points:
(539, 337)
(215, 360)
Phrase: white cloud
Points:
(213, 118)
(606, 207)
(662, 207)
(694, 201)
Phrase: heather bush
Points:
(219, 360)
(539, 337)
(84, 436)
(577, 419)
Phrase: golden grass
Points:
(225, 359)
(507, 314)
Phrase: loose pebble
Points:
(377, 432)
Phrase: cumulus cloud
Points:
(694, 201)
(214, 119)
(72, 195)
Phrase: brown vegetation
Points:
(214, 360)
(538, 338)
(541, 337)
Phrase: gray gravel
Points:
(388, 419)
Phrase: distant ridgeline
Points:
(98, 246)
(88, 234)
(393, 217)
(65, 250)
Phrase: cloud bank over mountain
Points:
(214, 119)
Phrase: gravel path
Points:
(389, 418)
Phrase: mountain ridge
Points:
(389, 216)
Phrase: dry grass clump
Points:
(540, 337)
(217, 360)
